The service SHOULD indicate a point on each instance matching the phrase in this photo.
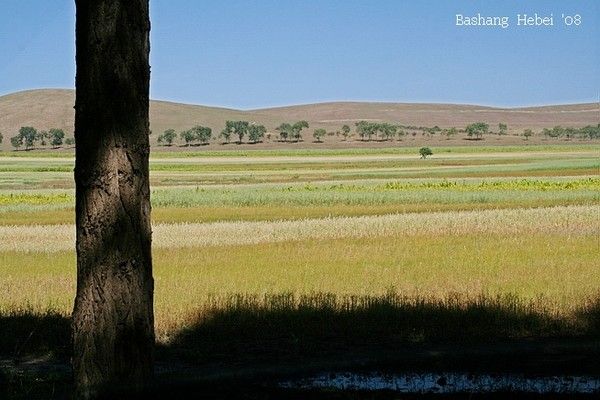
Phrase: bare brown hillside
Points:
(49, 108)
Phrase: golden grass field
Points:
(521, 225)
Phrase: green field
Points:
(508, 228)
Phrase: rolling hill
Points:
(49, 108)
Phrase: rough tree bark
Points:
(113, 322)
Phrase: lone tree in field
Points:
(527, 133)
(318, 134)
(425, 151)
(1, 137)
(113, 319)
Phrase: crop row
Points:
(567, 220)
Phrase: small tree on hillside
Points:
(201, 134)
(297, 129)
(237, 128)
(527, 133)
(318, 134)
(477, 129)
(388, 131)
(1, 137)
(285, 131)
(256, 133)
(366, 129)
(502, 129)
(400, 133)
(227, 131)
(570, 132)
(70, 141)
(29, 135)
(590, 132)
(451, 132)
(226, 135)
(187, 136)
(240, 128)
(41, 137)
(56, 137)
(557, 131)
(167, 137)
(16, 141)
(425, 151)
(345, 131)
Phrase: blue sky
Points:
(251, 54)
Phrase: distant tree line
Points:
(233, 130)
(29, 138)
(248, 132)
(364, 131)
(292, 132)
(587, 132)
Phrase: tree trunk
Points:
(113, 321)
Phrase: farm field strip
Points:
(225, 164)
(300, 200)
(310, 207)
(58, 215)
(450, 148)
(361, 182)
(323, 156)
(566, 220)
(39, 176)
(370, 158)
(46, 196)
(580, 166)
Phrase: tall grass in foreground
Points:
(556, 273)
(247, 327)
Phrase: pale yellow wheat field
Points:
(565, 220)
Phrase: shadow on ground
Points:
(239, 344)
(282, 326)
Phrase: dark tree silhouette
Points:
(113, 323)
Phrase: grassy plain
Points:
(509, 231)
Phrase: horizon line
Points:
(502, 107)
